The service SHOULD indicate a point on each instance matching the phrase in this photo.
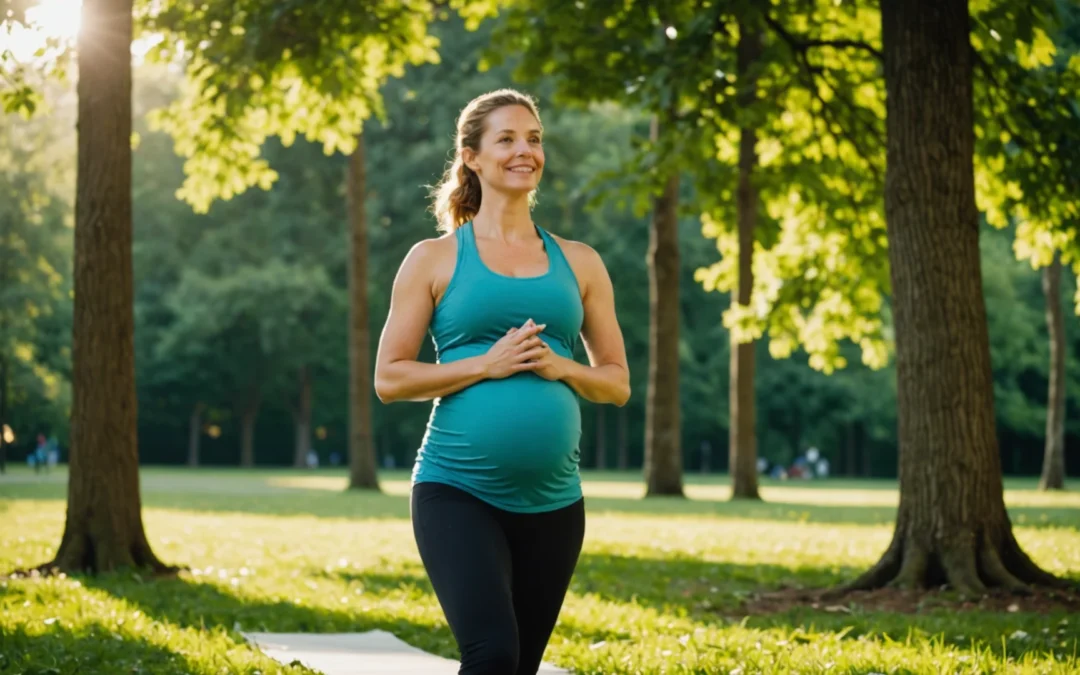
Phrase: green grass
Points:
(657, 589)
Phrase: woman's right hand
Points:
(515, 352)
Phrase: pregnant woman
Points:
(497, 508)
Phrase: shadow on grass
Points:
(92, 649)
(192, 604)
(377, 582)
(706, 593)
(712, 593)
(699, 587)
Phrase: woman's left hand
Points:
(548, 365)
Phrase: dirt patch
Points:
(1041, 601)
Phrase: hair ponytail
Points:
(456, 199)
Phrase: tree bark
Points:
(742, 436)
(362, 462)
(195, 433)
(1053, 470)
(663, 429)
(103, 530)
(249, 413)
(601, 437)
(952, 527)
(302, 418)
(622, 449)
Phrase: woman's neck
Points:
(504, 218)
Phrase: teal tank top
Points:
(512, 442)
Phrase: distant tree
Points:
(1053, 471)
(1029, 170)
(283, 69)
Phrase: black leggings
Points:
(500, 577)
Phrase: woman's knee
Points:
(497, 656)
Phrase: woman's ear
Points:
(468, 158)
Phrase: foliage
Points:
(280, 69)
(25, 74)
(1029, 130)
(658, 587)
(819, 260)
(35, 278)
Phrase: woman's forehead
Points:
(513, 119)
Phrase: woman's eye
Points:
(503, 140)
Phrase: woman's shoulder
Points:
(583, 259)
(431, 251)
(579, 254)
(431, 262)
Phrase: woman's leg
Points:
(465, 553)
(545, 549)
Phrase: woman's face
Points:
(511, 158)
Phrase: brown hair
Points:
(456, 199)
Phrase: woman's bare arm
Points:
(607, 378)
(399, 376)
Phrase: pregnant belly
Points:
(521, 426)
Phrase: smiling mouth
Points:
(521, 169)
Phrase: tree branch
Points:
(806, 44)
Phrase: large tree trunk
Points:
(249, 413)
(362, 464)
(952, 527)
(743, 440)
(1053, 471)
(663, 430)
(195, 433)
(104, 529)
(302, 418)
(601, 437)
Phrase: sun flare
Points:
(47, 20)
(56, 18)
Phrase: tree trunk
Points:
(663, 431)
(302, 418)
(743, 440)
(249, 413)
(952, 527)
(1053, 471)
(362, 464)
(195, 433)
(622, 450)
(3, 411)
(601, 437)
(103, 530)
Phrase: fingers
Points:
(526, 331)
(534, 353)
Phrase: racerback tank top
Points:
(512, 442)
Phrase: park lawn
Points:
(658, 589)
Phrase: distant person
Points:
(312, 459)
(822, 468)
(52, 452)
(497, 507)
(41, 454)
